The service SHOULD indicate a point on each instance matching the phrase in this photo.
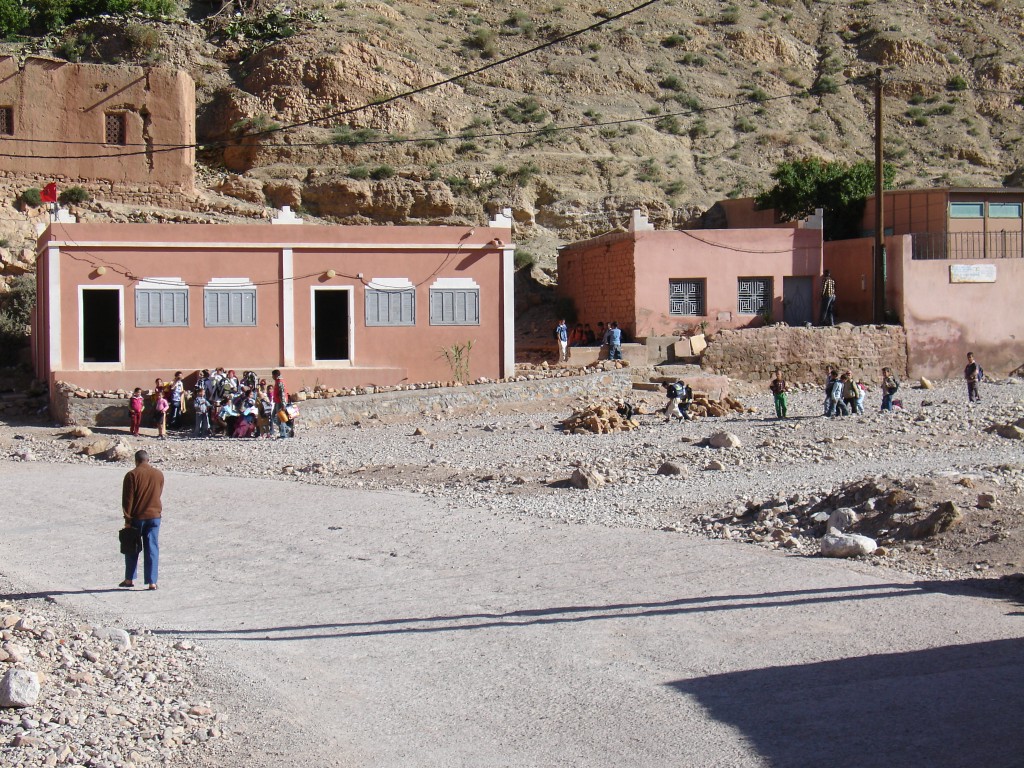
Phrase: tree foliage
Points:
(49, 16)
(15, 315)
(839, 188)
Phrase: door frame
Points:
(351, 326)
(789, 279)
(82, 365)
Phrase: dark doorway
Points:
(330, 325)
(797, 301)
(101, 326)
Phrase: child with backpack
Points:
(779, 388)
(890, 386)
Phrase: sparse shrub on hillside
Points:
(648, 170)
(692, 60)
(74, 196)
(526, 110)
(49, 16)
(256, 124)
(744, 124)
(525, 173)
(674, 41)
(730, 15)
(524, 259)
(671, 83)
(144, 41)
(346, 134)
(956, 83)
(756, 93)
(698, 129)
(382, 172)
(483, 40)
(359, 172)
(669, 124)
(30, 197)
(823, 85)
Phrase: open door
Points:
(330, 324)
(101, 325)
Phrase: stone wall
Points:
(112, 409)
(804, 353)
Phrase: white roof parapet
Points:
(638, 221)
(286, 216)
(63, 216)
(502, 219)
(816, 220)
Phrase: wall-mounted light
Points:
(498, 242)
(330, 274)
(101, 271)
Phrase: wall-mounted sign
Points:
(972, 273)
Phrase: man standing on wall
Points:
(828, 299)
(562, 336)
(142, 508)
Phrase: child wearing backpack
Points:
(779, 388)
(673, 394)
(890, 386)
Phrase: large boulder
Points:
(93, 445)
(586, 479)
(118, 637)
(841, 519)
(724, 440)
(19, 688)
(847, 545)
(120, 450)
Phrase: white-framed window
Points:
(686, 296)
(161, 302)
(454, 301)
(754, 295)
(1004, 210)
(229, 302)
(966, 210)
(390, 302)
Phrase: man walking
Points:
(140, 502)
(828, 299)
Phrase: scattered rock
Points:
(724, 440)
(714, 465)
(121, 450)
(79, 431)
(986, 500)
(670, 468)
(847, 545)
(19, 688)
(586, 479)
(946, 515)
(600, 420)
(118, 637)
(841, 520)
(926, 384)
(418, 432)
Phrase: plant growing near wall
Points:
(30, 197)
(15, 314)
(457, 356)
(74, 195)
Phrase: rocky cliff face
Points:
(714, 99)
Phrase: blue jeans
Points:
(886, 401)
(614, 352)
(284, 428)
(150, 548)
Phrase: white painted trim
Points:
(275, 246)
(229, 282)
(288, 307)
(160, 283)
(508, 320)
(53, 308)
(82, 365)
(351, 326)
(390, 283)
(454, 284)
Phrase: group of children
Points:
(223, 404)
(844, 393)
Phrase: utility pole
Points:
(878, 302)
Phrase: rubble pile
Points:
(77, 694)
(864, 517)
(598, 419)
(704, 406)
(1011, 430)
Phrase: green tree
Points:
(13, 17)
(839, 188)
(15, 315)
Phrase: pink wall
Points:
(599, 274)
(945, 320)
(264, 255)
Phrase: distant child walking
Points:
(135, 405)
(779, 388)
(973, 374)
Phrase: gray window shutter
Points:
(455, 306)
(154, 308)
(390, 307)
(231, 307)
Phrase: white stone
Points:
(19, 688)
(586, 478)
(842, 519)
(118, 637)
(847, 545)
(724, 440)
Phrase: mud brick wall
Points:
(803, 354)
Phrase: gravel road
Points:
(356, 627)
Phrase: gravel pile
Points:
(515, 460)
(80, 694)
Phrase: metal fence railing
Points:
(967, 245)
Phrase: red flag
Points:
(49, 193)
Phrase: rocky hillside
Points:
(668, 109)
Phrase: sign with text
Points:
(972, 273)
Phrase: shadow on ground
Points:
(943, 707)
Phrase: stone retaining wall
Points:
(113, 410)
(804, 353)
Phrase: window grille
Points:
(390, 307)
(115, 130)
(755, 295)
(686, 297)
(7, 121)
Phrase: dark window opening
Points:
(115, 128)
(330, 320)
(7, 121)
(101, 326)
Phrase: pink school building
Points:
(121, 304)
